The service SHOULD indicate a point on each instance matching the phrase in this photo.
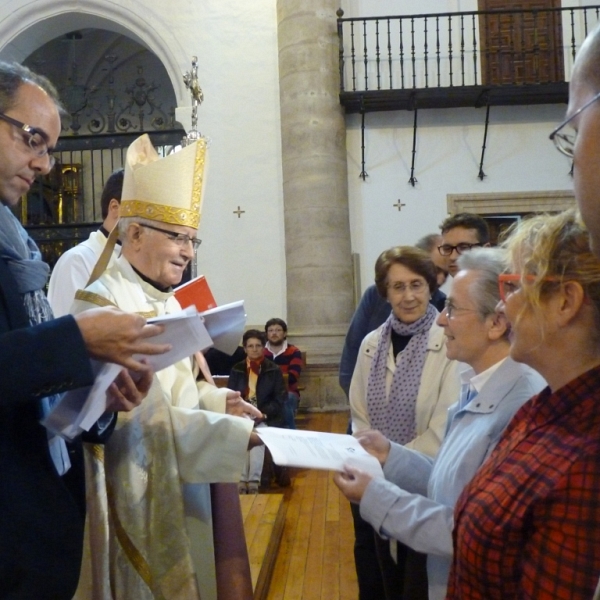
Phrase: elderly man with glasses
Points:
(154, 469)
(415, 502)
(578, 136)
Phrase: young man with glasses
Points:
(460, 233)
(289, 359)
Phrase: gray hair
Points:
(489, 262)
(429, 242)
(125, 222)
(13, 76)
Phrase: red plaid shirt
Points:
(290, 362)
(528, 524)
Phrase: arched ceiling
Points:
(42, 32)
(94, 68)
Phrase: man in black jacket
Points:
(41, 523)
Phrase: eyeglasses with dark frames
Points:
(448, 249)
(181, 239)
(565, 143)
(33, 137)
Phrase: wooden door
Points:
(521, 47)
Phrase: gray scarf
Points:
(21, 253)
(24, 260)
(395, 416)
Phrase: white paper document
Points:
(78, 410)
(185, 331)
(317, 450)
(225, 325)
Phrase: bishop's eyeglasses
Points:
(181, 239)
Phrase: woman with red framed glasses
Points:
(528, 524)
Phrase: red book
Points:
(196, 292)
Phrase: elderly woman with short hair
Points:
(403, 385)
(528, 524)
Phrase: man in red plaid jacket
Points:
(289, 359)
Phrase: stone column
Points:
(315, 186)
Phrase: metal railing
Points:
(62, 208)
(472, 48)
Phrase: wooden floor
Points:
(315, 558)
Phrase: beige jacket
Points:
(439, 388)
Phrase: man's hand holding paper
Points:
(182, 334)
(127, 392)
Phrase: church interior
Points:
(336, 130)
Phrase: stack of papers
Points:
(225, 325)
(187, 331)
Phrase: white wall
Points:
(519, 157)
(236, 42)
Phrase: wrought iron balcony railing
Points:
(473, 58)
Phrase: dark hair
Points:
(468, 221)
(276, 321)
(253, 333)
(113, 188)
(410, 257)
(428, 242)
(13, 76)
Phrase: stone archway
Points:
(31, 25)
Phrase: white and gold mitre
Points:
(169, 189)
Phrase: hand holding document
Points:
(317, 450)
(78, 410)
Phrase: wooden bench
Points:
(221, 381)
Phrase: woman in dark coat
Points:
(261, 383)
